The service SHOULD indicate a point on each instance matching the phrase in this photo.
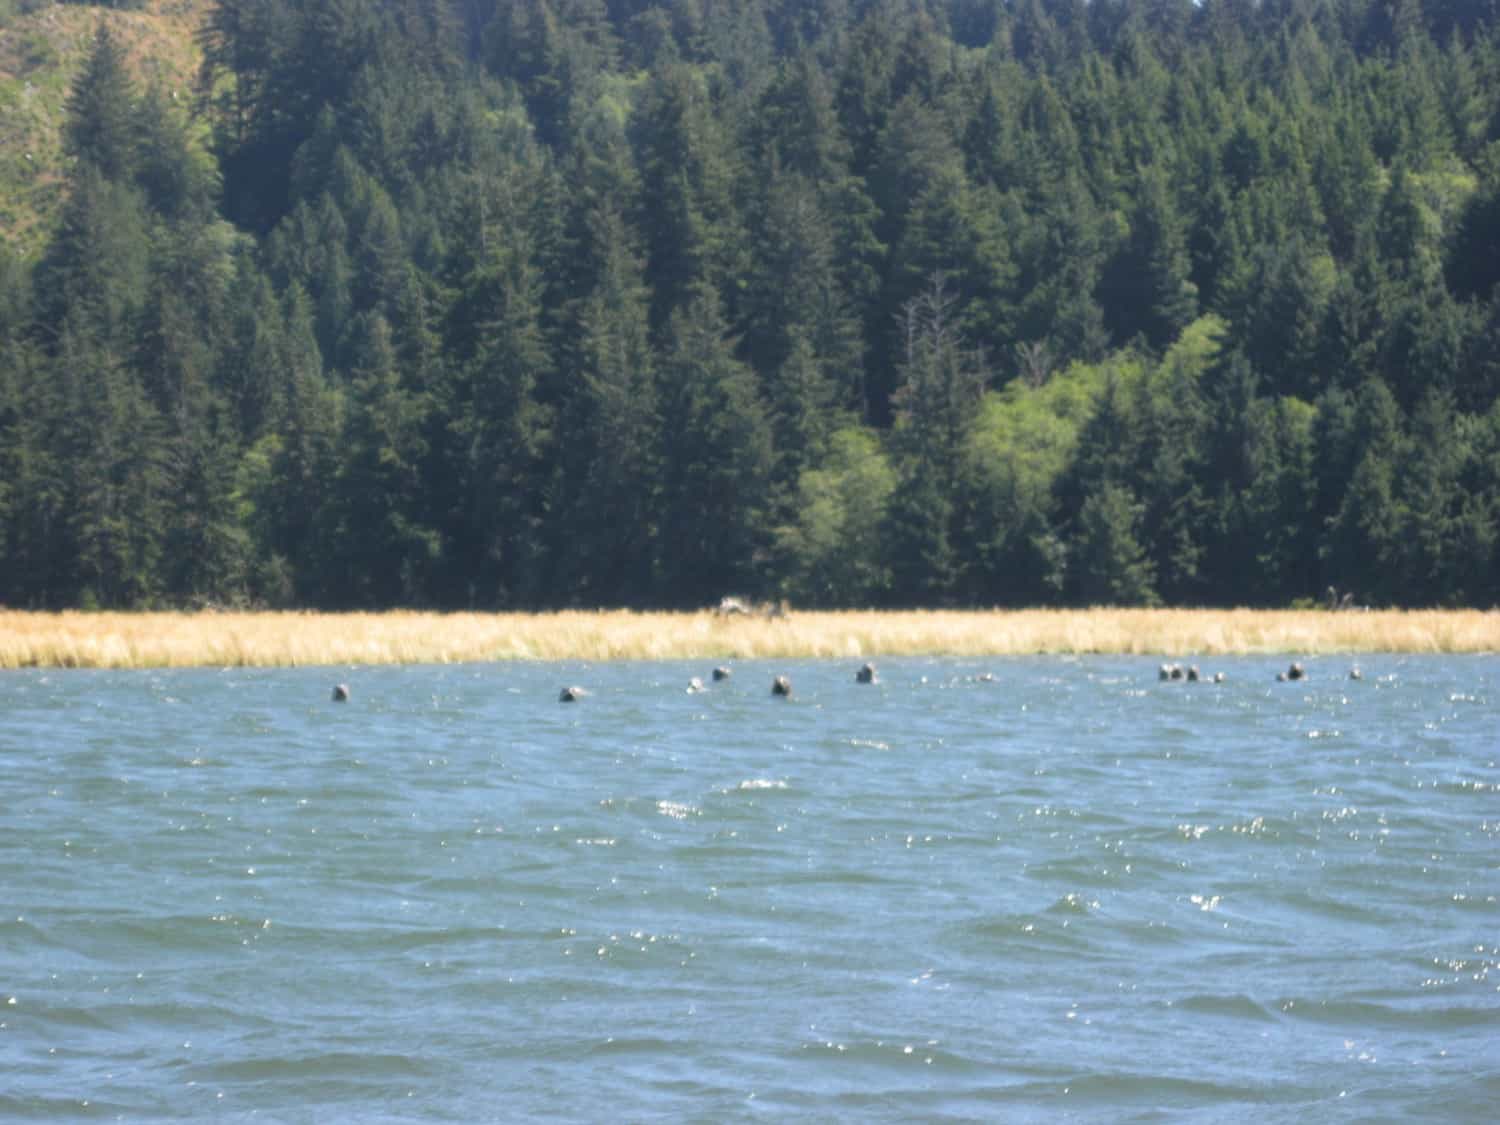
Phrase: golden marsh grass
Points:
(164, 640)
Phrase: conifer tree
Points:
(1360, 549)
(794, 298)
(942, 379)
(500, 430)
(1147, 288)
(716, 459)
(572, 301)
(100, 131)
(206, 548)
(295, 525)
(690, 225)
(605, 523)
(111, 456)
(388, 550)
(1110, 563)
(95, 269)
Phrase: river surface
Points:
(1068, 893)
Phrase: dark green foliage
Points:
(1146, 287)
(602, 534)
(499, 431)
(13, 452)
(177, 179)
(1110, 562)
(111, 451)
(94, 271)
(100, 130)
(388, 551)
(687, 210)
(1278, 307)
(942, 379)
(207, 549)
(596, 302)
(800, 328)
(1474, 255)
(715, 462)
(1362, 543)
(290, 476)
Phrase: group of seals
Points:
(866, 675)
(1190, 674)
(1297, 672)
(782, 685)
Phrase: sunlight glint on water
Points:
(1071, 891)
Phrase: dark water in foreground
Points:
(1070, 894)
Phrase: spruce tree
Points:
(100, 130)
(1110, 563)
(716, 460)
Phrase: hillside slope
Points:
(523, 304)
(40, 53)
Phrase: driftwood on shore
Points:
(1345, 602)
(743, 607)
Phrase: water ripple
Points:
(949, 898)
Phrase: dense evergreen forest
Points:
(534, 303)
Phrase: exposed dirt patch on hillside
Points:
(40, 54)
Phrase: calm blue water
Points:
(1073, 893)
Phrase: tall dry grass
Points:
(155, 640)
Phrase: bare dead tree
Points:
(925, 317)
(943, 377)
(1034, 361)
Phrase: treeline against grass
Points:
(537, 303)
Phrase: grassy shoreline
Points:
(163, 640)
